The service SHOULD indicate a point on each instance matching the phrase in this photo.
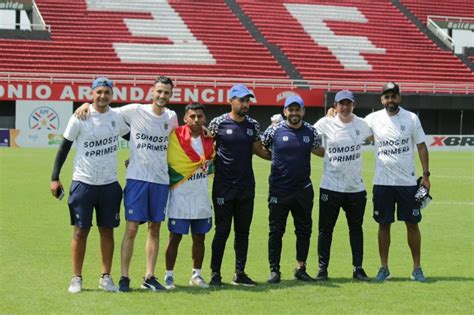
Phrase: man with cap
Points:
(341, 184)
(94, 181)
(396, 132)
(291, 143)
(236, 138)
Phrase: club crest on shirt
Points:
(173, 222)
(228, 131)
(117, 216)
(249, 132)
(166, 126)
(284, 138)
(357, 132)
(273, 199)
(324, 197)
(416, 212)
(113, 123)
(402, 128)
(306, 139)
(220, 201)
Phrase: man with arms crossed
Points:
(396, 131)
(94, 181)
(291, 143)
(342, 185)
(190, 156)
(236, 137)
(146, 190)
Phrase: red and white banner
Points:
(128, 93)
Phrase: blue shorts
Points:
(386, 197)
(181, 226)
(145, 201)
(106, 199)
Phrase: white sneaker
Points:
(198, 281)
(107, 284)
(76, 285)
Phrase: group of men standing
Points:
(169, 167)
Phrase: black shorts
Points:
(106, 199)
(386, 197)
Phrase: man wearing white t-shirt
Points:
(146, 190)
(94, 181)
(190, 156)
(396, 132)
(342, 185)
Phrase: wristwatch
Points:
(427, 173)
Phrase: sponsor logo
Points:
(130, 211)
(173, 222)
(284, 95)
(324, 197)
(452, 141)
(43, 118)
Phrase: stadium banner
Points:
(128, 93)
(44, 116)
(440, 143)
(469, 26)
(40, 139)
(16, 5)
(4, 138)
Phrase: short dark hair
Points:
(194, 106)
(164, 80)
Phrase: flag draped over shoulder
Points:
(183, 160)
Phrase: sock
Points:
(196, 272)
(169, 273)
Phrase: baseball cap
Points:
(240, 90)
(391, 87)
(294, 99)
(344, 95)
(102, 82)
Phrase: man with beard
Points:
(236, 138)
(291, 143)
(146, 189)
(395, 133)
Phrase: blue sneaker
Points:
(169, 283)
(152, 284)
(417, 275)
(124, 284)
(383, 274)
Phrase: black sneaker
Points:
(275, 277)
(241, 278)
(360, 274)
(152, 284)
(300, 274)
(124, 284)
(322, 275)
(216, 279)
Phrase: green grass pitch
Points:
(35, 257)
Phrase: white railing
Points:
(438, 32)
(359, 86)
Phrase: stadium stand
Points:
(143, 37)
(358, 40)
(454, 8)
(348, 40)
